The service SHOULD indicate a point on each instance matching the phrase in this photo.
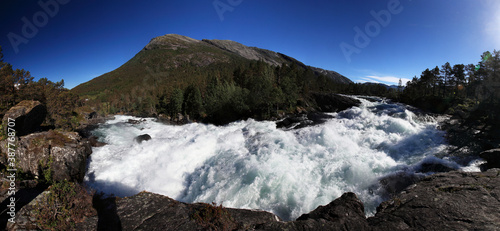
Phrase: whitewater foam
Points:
(252, 164)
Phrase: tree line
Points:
(255, 89)
(17, 85)
(218, 93)
(444, 88)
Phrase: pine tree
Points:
(458, 79)
(193, 104)
(446, 72)
(175, 103)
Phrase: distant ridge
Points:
(271, 57)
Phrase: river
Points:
(252, 164)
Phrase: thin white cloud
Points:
(391, 80)
(492, 25)
(368, 80)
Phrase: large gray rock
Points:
(445, 201)
(149, 211)
(53, 154)
(344, 213)
(28, 116)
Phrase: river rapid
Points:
(252, 164)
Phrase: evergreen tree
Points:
(446, 72)
(426, 79)
(435, 80)
(175, 102)
(193, 104)
(458, 79)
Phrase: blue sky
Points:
(82, 39)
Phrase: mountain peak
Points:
(170, 41)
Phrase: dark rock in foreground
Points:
(149, 211)
(28, 116)
(492, 158)
(445, 201)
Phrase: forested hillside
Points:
(213, 81)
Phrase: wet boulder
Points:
(132, 121)
(434, 168)
(94, 142)
(346, 211)
(303, 120)
(397, 182)
(144, 137)
(492, 158)
(334, 102)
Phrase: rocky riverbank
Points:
(444, 201)
(54, 162)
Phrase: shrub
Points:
(66, 204)
(213, 217)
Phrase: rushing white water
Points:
(251, 164)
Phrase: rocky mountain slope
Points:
(271, 57)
